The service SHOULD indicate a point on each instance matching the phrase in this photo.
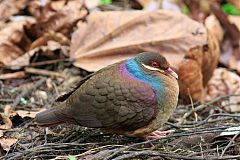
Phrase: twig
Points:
(132, 154)
(115, 153)
(200, 123)
(166, 147)
(22, 146)
(203, 106)
(191, 100)
(104, 154)
(48, 62)
(43, 148)
(206, 120)
(6, 100)
(229, 144)
(206, 151)
(208, 130)
(14, 75)
(1, 88)
(55, 88)
(43, 72)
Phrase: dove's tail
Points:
(54, 116)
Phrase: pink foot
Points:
(158, 134)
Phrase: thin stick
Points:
(14, 75)
(229, 144)
(191, 100)
(48, 62)
(203, 106)
(43, 72)
(132, 154)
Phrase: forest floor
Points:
(198, 128)
(42, 44)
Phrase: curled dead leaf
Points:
(223, 83)
(210, 57)
(190, 80)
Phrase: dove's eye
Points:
(154, 64)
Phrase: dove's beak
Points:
(171, 72)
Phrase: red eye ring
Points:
(154, 64)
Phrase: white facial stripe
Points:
(172, 73)
(152, 68)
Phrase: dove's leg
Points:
(158, 134)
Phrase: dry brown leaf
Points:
(150, 5)
(11, 7)
(92, 4)
(229, 56)
(223, 83)
(41, 10)
(15, 47)
(230, 53)
(9, 52)
(234, 60)
(7, 142)
(7, 122)
(109, 37)
(190, 79)
(13, 41)
(214, 26)
(50, 36)
(58, 16)
(5, 116)
(235, 20)
(24, 59)
(12, 31)
(31, 114)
